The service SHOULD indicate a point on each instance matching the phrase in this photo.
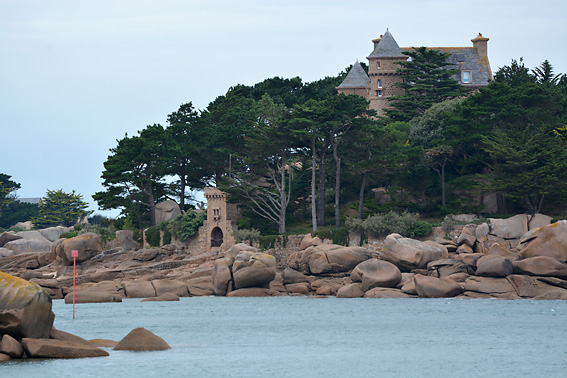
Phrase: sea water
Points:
(327, 337)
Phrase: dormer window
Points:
(379, 83)
(466, 77)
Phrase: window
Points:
(378, 65)
(379, 93)
(466, 77)
(379, 83)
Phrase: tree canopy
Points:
(58, 208)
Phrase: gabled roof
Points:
(387, 48)
(356, 78)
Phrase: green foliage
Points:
(152, 236)
(420, 229)
(250, 235)
(166, 237)
(185, 226)
(69, 234)
(99, 219)
(427, 81)
(58, 208)
(7, 189)
(272, 241)
(380, 225)
(16, 212)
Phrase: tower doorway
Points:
(216, 237)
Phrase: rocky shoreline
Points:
(506, 259)
(514, 258)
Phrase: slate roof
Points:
(387, 47)
(356, 78)
(466, 59)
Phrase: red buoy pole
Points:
(75, 253)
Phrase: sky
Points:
(76, 76)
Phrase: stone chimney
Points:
(375, 41)
(480, 43)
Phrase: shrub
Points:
(249, 235)
(166, 237)
(185, 226)
(420, 229)
(337, 235)
(152, 236)
(69, 234)
(341, 236)
(271, 241)
(384, 224)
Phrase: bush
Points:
(337, 235)
(271, 241)
(420, 229)
(185, 226)
(249, 235)
(378, 225)
(166, 237)
(341, 236)
(69, 234)
(152, 236)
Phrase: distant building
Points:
(29, 200)
(383, 63)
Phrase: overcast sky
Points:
(76, 75)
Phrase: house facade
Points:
(384, 60)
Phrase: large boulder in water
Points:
(88, 245)
(350, 291)
(324, 259)
(253, 269)
(408, 254)
(376, 273)
(25, 308)
(141, 339)
(433, 287)
(50, 348)
(548, 241)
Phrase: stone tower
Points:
(383, 63)
(221, 220)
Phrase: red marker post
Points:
(74, 254)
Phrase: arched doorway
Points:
(216, 237)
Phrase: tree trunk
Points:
(313, 180)
(182, 184)
(283, 197)
(337, 185)
(151, 203)
(321, 198)
(443, 202)
(361, 195)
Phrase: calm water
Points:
(299, 337)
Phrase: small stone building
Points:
(221, 221)
(384, 60)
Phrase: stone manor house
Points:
(378, 85)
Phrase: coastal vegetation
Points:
(294, 154)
